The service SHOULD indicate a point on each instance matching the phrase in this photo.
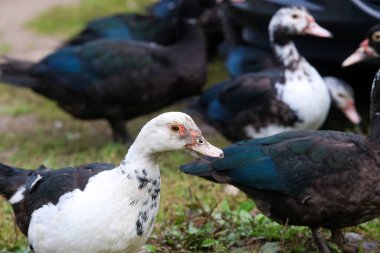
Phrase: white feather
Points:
(18, 196)
(103, 217)
(98, 219)
(306, 93)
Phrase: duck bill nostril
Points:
(206, 149)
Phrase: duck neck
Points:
(287, 54)
(141, 156)
(375, 109)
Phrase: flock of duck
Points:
(123, 66)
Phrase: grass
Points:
(195, 215)
(4, 47)
(67, 20)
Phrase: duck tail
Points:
(16, 72)
(11, 180)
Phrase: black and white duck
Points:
(369, 48)
(100, 207)
(116, 80)
(243, 58)
(319, 179)
(292, 96)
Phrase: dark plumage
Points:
(311, 178)
(250, 99)
(116, 80)
(241, 57)
(244, 59)
(160, 25)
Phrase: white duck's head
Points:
(174, 131)
(293, 21)
(342, 96)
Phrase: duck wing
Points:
(287, 163)
(47, 186)
(104, 70)
(249, 100)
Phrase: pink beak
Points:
(351, 113)
(199, 144)
(206, 149)
(364, 52)
(316, 30)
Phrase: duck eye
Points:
(295, 16)
(174, 128)
(340, 95)
(376, 37)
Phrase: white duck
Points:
(99, 207)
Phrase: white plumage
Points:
(116, 208)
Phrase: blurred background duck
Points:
(117, 79)
(347, 20)
(160, 25)
(369, 48)
(343, 98)
(240, 56)
(317, 179)
(292, 96)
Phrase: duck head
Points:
(369, 48)
(174, 131)
(342, 96)
(294, 21)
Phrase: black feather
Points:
(118, 80)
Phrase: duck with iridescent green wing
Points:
(319, 179)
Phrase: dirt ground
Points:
(24, 43)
